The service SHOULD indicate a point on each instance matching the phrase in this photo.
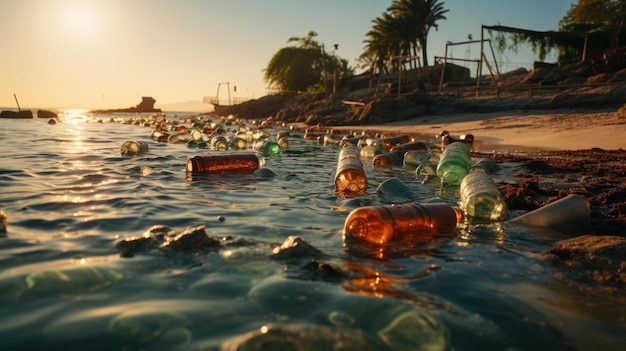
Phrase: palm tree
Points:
(422, 15)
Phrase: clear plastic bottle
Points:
(387, 160)
(130, 148)
(454, 163)
(415, 158)
(350, 177)
(486, 165)
(404, 223)
(481, 198)
(370, 151)
(571, 210)
(236, 142)
(394, 190)
(267, 147)
(180, 138)
(225, 164)
(218, 142)
(283, 141)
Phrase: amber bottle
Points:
(350, 178)
(225, 164)
(404, 223)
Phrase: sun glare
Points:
(79, 19)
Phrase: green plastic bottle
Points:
(454, 163)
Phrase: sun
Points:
(79, 18)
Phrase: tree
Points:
(423, 15)
(402, 31)
(302, 68)
(601, 20)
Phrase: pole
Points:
(324, 70)
(18, 103)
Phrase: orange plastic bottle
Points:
(350, 177)
(225, 164)
(403, 223)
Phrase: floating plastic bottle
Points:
(415, 158)
(218, 142)
(394, 190)
(481, 198)
(130, 148)
(370, 151)
(485, 164)
(390, 142)
(180, 138)
(350, 177)
(454, 163)
(388, 159)
(283, 141)
(447, 139)
(160, 136)
(571, 210)
(236, 142)
(404, 223)
(267, 147)
(403, 148)
(225, 164)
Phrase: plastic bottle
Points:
(570, 210)
(236, 142)
(415, 158)
(283, 141)
(486, 165)
(370, 151)
(225, 164)
(350, 177)
(403, 148)
(454, 163)
(481, 198)
(218, 142)
(267, 147)
(130, 148)
(388, 159)
(394, 190)
(160, 136)
(180, 138)
(390, 142)
(404, 223)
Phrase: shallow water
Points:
(70, 196)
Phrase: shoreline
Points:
(518, 130)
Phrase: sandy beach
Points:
(508, 131)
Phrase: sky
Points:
(109, 53)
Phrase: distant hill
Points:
(186, 106)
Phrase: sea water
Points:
(70, 195)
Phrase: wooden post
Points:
(17, 102)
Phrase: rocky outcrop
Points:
(546, 87)
(16, 114)
(145, 106)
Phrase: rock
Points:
(16, 114)
(295, 246)
(146, 105)
(46, 114)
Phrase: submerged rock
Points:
(162, 237)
